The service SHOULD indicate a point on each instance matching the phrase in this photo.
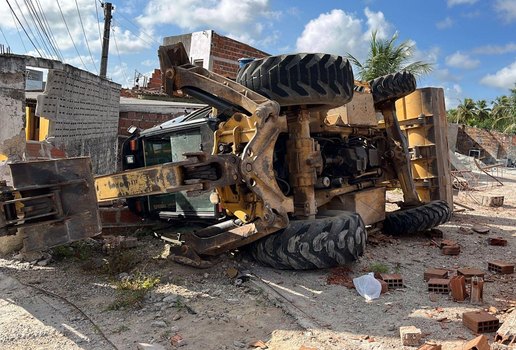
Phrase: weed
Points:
(378, 268)
(120, 261)
(130, 292)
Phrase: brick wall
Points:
(225, 53)
(492, 144)
(155, 80)
(143, 120)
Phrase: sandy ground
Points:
(206, 309)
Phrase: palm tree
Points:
(385, 57)
(465, 111)
(504, 113)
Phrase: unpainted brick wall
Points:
(493, 144)
(225, 53)
(83, 113)
(144, 120)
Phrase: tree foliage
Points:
(500, 115)
(386, 57)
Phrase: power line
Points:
(37, 29)
(32, 42)
(69, 34)
(5, 38)
(134, 25)
(38, 24)
(133, 33)
(85, 38)
(118, 53)
(29, 27)
(19, 34)
(51, 33)
(98, 21)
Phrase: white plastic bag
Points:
(368, 286)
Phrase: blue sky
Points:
(471, 42)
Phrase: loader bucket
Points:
(54, 201)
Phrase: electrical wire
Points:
(133, 33)
(98, 22)
(134, 25)
(5, 38)
(27, 34)
(29, 27)
(85, 38)
(40, 28)
(118, 53)
(19, 34)
(51, 33)
(70, 35)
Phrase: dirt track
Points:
(204, 309)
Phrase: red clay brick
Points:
(439, 285)
(435, 273)
(498, 241)
(451, 250)
(469, 272)
(458, 288)
(392, 280)
(479, 343)
(480, 321)
(500, 267)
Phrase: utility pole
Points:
(108, 7)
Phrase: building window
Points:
(198, 63)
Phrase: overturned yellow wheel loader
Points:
(292, 160)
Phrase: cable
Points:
(118, 53)
(32, 42)
(29, 27)
(5, 38)
(98, 22)
(52, 36)
(133, 33)
(38, 30)
(131, 22)
(19, 34)
(85, 38)
(69, 34)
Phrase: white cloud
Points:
(460, 60)
(495, 49)
(505, 78)
(338, 32)
(445, 23)
(461, 2)
(238, 19)
(128, 43)
(452, 95)
(150, 63)
(506, 9)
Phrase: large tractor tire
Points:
(392, 86)
(417, 219)
(307, 78)
(312, 244)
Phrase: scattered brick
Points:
(410, 335)
(499, 266)
(458, 288)
(447, 242)
(393, 280)
(498, 241)
(479, 343)
(480, 321)
(477, 290)
(435, 273)
(451, 250)
(439, 285)
(430, 346)
(469, 272)
(385, 286)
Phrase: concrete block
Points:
(410, 335)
